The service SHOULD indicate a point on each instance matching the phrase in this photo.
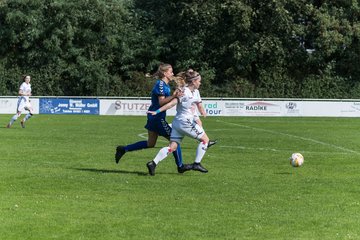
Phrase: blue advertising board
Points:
(68, 106)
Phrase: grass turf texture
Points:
(59, 181)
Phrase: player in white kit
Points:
(180, 82)
(184, 123)
(23, 102)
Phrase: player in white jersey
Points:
(184, 123)
(23, 102)
(180, 82)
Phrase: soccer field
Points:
(59, 180)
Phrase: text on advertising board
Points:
(69, 106)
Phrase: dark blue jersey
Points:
(160, 89)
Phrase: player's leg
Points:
(165, 151)
(164, 129)
(195, 131)
(152, 126)
(19, 108)
(27, 116)
(181, 167)
(200, 152)
(199, 122)
(177, 156)
(13, 119)
(150, 143)
(161, 155)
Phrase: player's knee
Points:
(172, 149)
(151, 145)
(205, 139)
(173, 146)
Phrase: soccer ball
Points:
(296, 160)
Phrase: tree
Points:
(71, 47)
(282, 48)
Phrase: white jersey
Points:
(186, 109)
(186, 113)
(23, 101)
(25, 88)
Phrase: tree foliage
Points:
(268, 48)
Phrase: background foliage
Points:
(271, 48)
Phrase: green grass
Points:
(59, 181)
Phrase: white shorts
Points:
(188, 127)
(23, 105)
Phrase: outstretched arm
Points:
(167, 106)
(164, 100)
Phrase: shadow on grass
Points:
(111, 171)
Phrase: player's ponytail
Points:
(179, 79)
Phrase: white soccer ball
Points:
(296, 159)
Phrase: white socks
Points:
(162, 154)
(165, 151)
(29, 115)
(13, 119)
(200, 152)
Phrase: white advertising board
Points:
(139, 107)
(221, 107)
(8, 105)
(286, 108)
(124, 106)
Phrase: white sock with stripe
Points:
(200, 152)
(162, 154)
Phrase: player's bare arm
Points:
(167, 106)
(164, 100)
(201, 109)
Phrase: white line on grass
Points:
(251, 148)
(292, 136)
(278, 150)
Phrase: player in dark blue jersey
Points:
(157, 125)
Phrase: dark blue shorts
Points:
(160, 126)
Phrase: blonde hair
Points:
(179, 79)
(163, 67)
